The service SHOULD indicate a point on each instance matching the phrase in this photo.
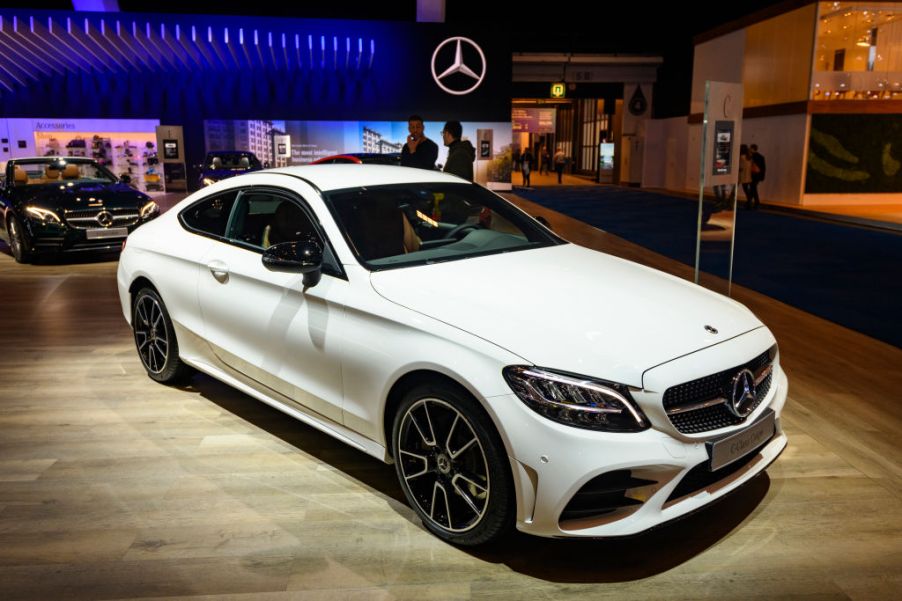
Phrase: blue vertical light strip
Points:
(285, 53)
(241, 43)
(322, 52)
(347, 52)
(372, 53)
(258, 50)
(310, 48)
(297, 48)
(272, 52)
(334, 53)
(359, 51)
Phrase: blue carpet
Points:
(846, 274)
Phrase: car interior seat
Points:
(20, 176)
(289, 224)
(381, 229)
(71, 171)
(51, 173)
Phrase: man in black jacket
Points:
(419, 151)
(460, 152)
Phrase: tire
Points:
(452, 465)
(155, 339)
(18, 245)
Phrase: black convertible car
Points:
(56, 204)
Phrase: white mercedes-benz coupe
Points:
(513, 378)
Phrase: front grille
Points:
(709, 390)
(85, 219)
(603, 494)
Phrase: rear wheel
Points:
(452, 465)
(155, 339)
(17, 243)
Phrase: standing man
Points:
(460, 152)
(419, 151)
(759, 167)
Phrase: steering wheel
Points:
(457, 230)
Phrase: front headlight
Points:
(150, 209)
(208, 181)
(42, 215)
(576, 401)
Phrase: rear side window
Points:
(211, 215)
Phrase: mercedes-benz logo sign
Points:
(105, 218)
(458, 65)
(711, 329)
(742, 401)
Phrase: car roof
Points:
(351, 175)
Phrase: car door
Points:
(264, 323)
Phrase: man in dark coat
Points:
(460, 152)
(419, 151)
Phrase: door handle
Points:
(219, 270)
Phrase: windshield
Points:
(412, 224)
(60, 171)
(232, 161)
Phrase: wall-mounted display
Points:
(309, 141)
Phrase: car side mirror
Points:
(125, 179)
(304, 256)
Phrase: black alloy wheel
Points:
(155, 338)
(452, 465)
(17, 243)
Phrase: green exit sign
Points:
(558, 90)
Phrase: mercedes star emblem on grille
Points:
(105, 218)
(742, 401)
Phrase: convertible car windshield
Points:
(412, 224)
(55, 171)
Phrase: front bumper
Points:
(552, 462)
(53, 238)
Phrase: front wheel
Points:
(155, 339)
(17, 243)
(452, 466)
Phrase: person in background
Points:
(560, 160)
(759, 167)
(745, 172)
(515, 160)
(461, 153)
(527, 161)
(419, 151)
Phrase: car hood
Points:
(570, 308)
(85, 195)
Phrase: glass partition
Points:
(858, 52)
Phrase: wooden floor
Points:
(114, 487)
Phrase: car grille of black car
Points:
(85, 219)
(693, 407)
